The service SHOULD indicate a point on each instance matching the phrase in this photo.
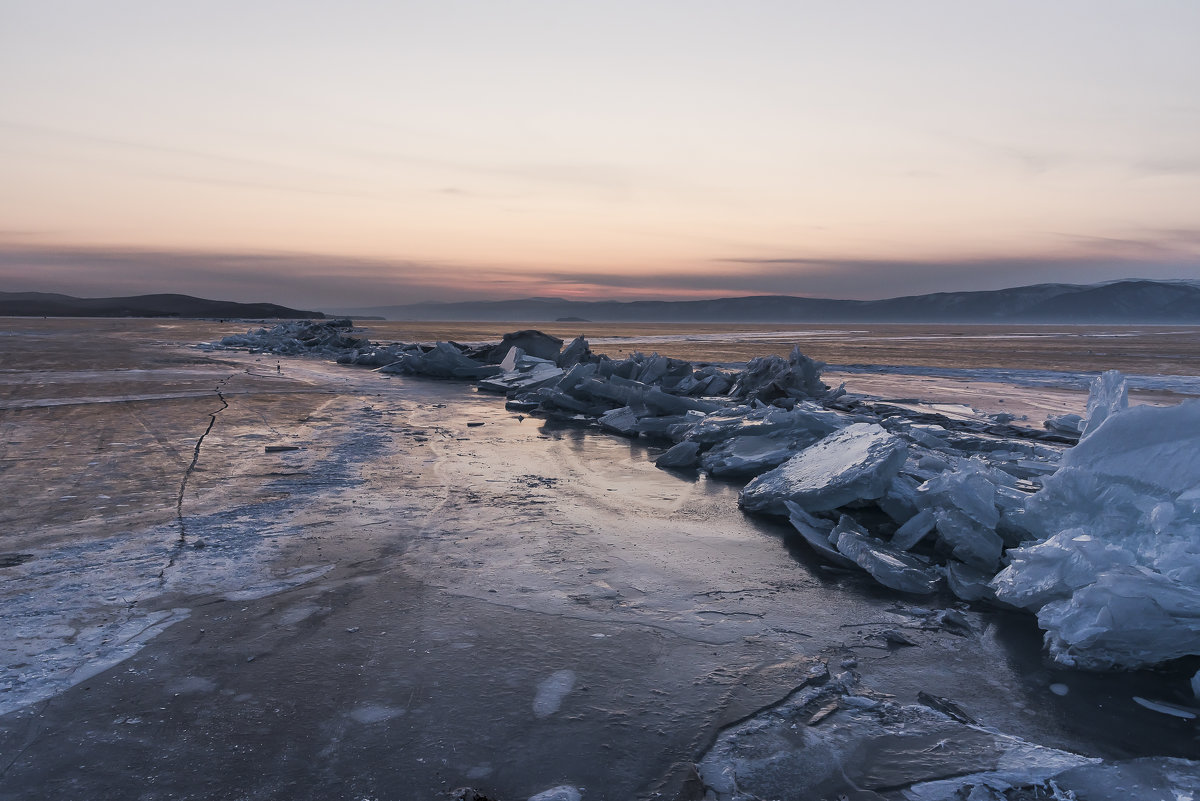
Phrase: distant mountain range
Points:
(1131, 301)
(44, 304)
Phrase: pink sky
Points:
(320, 154)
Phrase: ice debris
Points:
(889, 566)
(835, 739)
(1101, 541)
(300, 337)
(1114, 574)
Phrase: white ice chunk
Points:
(769, 377)
(551, 691)
(531, 375)
(889, 566)
(578, 352)
(509, 362)
(1174, 710)
(859, 462)
(963, 502)
(1056, 567)
(443, 361)
(1153, 448)
(1116, 572)
(1127, 618)
(1109, 394)
(564, 792)
(1065, 423)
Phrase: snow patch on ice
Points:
(564, 792)
(551, 691)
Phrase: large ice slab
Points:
(856, 463)
(532, 342)
(525, 373)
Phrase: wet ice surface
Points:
(517, 606)
(79, 608)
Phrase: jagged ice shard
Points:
(1114, 579)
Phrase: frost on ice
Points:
(1101, 541)
(858, 462)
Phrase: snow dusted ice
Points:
(857, 463)
(1101, 540)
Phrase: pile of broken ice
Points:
(1101, 541)
(329, 338)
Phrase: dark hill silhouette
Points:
(45, 304)
(1134, 301)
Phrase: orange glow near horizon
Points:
(567, 151)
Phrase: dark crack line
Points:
(212, 421)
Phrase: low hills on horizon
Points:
(47, 304)
(1132, 301)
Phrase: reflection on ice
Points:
(1103, 545)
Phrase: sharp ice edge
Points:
(1102, 542)
(797, 750)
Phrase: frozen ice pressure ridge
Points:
(1092, 522)
(1114, 575)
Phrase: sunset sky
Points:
(345, 154)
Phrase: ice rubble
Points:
(833, 738)
(300, 337)
(1102, 543)
(1114, 573)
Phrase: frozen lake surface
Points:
(431, 592)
